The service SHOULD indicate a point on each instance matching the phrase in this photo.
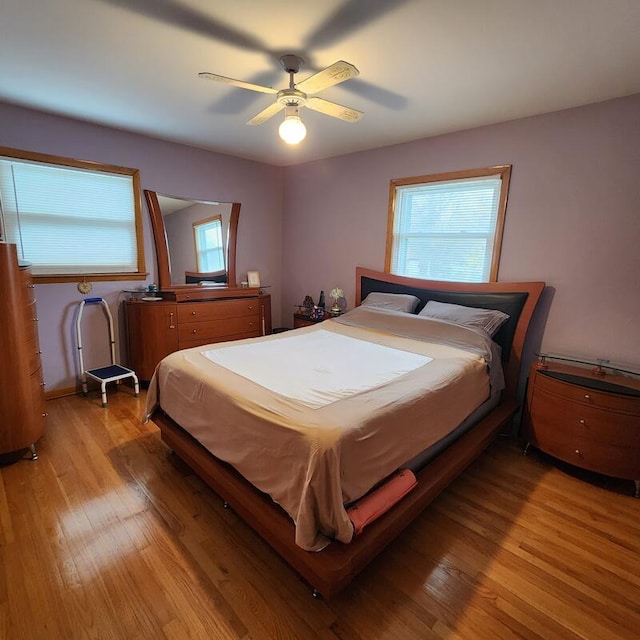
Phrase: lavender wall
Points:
(572, 220)
(165, 167)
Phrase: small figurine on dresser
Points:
(308, 302)
(317, 313)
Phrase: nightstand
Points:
(588, 417)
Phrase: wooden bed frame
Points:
(330, 570)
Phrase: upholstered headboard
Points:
(516, 299)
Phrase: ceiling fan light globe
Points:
(292, 130)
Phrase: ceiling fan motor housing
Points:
(292, 98)
(291, 63)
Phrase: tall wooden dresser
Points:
(22, 403)
(190, 318)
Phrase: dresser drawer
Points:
(218, 310)
(29, 311)
(35, 421)
(218, 329)
(28, 286)
(33, 347)
(585, 395)
(199, 342)
(553, 415)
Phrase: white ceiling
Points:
(426, 66)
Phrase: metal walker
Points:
(112, 373)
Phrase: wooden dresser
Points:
(22, 403)
(589, 419)
(189, 318)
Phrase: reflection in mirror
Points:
(195, 240)
(197, 235)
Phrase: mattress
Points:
(318, 416)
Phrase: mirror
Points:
(172, 220)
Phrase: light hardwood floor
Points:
(105, 536)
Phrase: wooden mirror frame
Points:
(162, 246)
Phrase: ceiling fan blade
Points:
(176, 14)
(236, 83)
(267, 113)
(333, 74)
(350, 17)
(335, 110)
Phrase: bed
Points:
(350, 409)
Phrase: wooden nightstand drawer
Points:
(545, 382)
(305, 320)
(587, 454)
(554, 415)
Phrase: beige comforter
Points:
(312, 459)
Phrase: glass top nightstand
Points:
(600, 366)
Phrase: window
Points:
(448, 226)
(71, 218)
(209, 246)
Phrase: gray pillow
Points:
(489, 320)
(392, 301)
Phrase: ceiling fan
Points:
(292, 130)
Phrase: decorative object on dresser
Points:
(253, 278)
(337, 294)
(586, 413)
(22, 404)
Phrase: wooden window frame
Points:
(141, 273)
(503, 171)
(198, 223)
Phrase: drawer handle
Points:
(587, 396)
(32, 286)
(581, 420)
(171, 325)
(578, 451)
(194, 331)
(251, 324)
(250, 308)
(45, 414)
(193, 313)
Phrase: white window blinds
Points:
(446, 230)
(68, 220)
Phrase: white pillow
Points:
(489, 320)
(392, 301)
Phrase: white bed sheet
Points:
(346, 365)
